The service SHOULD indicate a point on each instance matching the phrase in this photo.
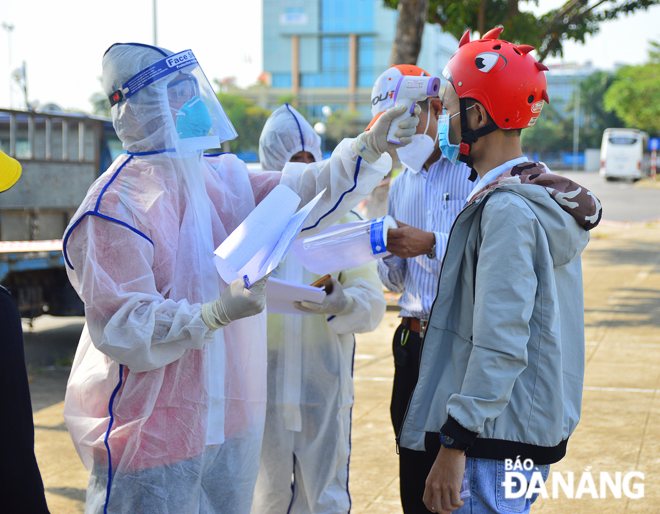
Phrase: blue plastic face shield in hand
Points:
(178, 84)
(193, 119)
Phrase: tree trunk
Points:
(481, 19)
(409, 31)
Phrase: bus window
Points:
(622, 140)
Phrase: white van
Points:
(624, 154)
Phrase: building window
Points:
(366, 70)
(311, 80)
(315, 111)
(334, 61)
(347, 15)
(281, 80)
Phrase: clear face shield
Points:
(192, 119)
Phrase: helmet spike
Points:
(545, 96)
(465, 39)
(525, 49)
(540, 66)
(493, 33)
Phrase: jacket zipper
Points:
(421, 347)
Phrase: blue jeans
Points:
(488, 495)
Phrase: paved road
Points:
(619, 430)
(622, 201)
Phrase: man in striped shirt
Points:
(424, 199)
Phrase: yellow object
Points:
(10, 171)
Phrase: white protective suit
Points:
(286, 133)
(310, 368)
(172, 411)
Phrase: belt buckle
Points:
(422, 327)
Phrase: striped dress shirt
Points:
(430, 201)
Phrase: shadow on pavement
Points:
(54, 346)
(49, 349)
(632, 253)
(47, 387)
(638, 308)
(68, 492)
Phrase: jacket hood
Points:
(555, 197)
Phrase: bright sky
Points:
(625, 40)
(63, 42)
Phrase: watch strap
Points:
(454, 444)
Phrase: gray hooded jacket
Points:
(502, 363)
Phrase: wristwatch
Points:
(449, 442)
(431, 254)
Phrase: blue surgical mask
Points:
(193, 120)
(448, 150)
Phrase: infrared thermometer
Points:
(408, 92)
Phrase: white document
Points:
(281, 294)
(262, 241)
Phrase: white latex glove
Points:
(370, 145)
(336, 303)
(236, 302)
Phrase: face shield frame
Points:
(189, 81)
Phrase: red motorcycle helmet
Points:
(502, 76)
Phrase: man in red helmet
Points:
(502, 363)
(425, 199)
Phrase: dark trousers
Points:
(414, 466)
(21, 488)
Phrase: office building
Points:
(329, 52)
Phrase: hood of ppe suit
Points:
(285, 134)
(145, 122)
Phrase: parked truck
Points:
(61, 154)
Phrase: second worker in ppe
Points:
(306, 448)
(167, 394)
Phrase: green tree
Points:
(248, 120)
(286, 99)
(572, 21)
(635, 93)
(596, 118)
(339, 125)
(100, 102)
(550, 134)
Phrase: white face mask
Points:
(415, 154)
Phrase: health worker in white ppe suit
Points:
(306, 448)
(167, 395)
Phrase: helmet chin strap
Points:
(470, 136)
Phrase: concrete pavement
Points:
(620, 426)
(622, 200)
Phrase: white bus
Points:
(624, 154)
